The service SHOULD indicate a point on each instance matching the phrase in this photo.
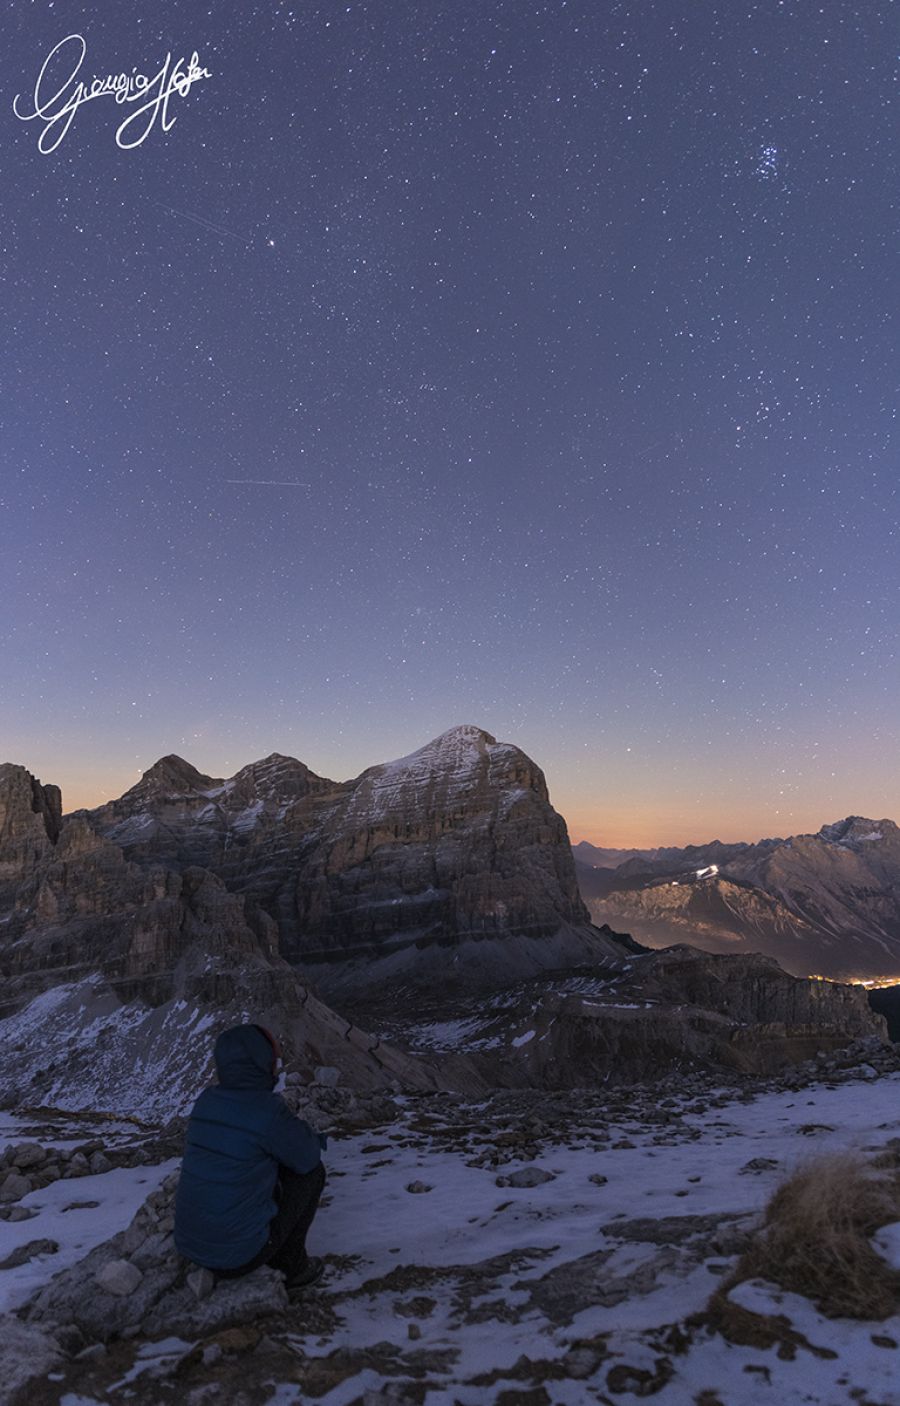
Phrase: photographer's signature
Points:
(55, 104)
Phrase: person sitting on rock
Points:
(252, 1172)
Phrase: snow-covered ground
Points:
(452, 1285)
(75, 1215)
(465, 1219)
(85, 1037)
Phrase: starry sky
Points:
(531, 365)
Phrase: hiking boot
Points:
(311, 1273)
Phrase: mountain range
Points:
(347, 915)
(825, 903)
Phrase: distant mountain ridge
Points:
(826, 903)
(599, 858)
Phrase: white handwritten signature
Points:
(57, 110)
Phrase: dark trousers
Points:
(297, 1194)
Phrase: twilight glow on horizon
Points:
(530, 365)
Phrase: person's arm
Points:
(293, 1142)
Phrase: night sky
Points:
(526, 365)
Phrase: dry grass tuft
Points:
(815, 1236)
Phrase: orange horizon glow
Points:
(610, 796)
(621, 826)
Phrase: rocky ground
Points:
(525, 1249)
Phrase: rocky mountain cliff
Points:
(127, 931)
(449, 860)
(827, 903)
(30, 819)
(114, 973)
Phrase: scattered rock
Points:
(23, 1253)
(527, 1176)
(418, 1307)
(759, 1164)
(119, 1277)
(201, 1283)
(28, 1154)
(418, 1186)
(582, 1362)
(91, 1353)
(15, 1187)
(235, 1301)
(99, 1163)
(640, 1381)
(598, 1179)
(328, 1076)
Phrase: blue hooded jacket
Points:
(238, 1133)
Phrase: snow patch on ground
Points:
(84, 1037)
(118, 1193)
(466, 1219)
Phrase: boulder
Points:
(232, 1301)
(119, 1277)
(17, 1213)
(28, 1154)
(150, 1289)
(527, 1176)
(14, 1187)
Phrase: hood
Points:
(243, 1058)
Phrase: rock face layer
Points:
(679, 1008)
(452, 855)
(30, 818)
(827, 903)
(116, 975)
